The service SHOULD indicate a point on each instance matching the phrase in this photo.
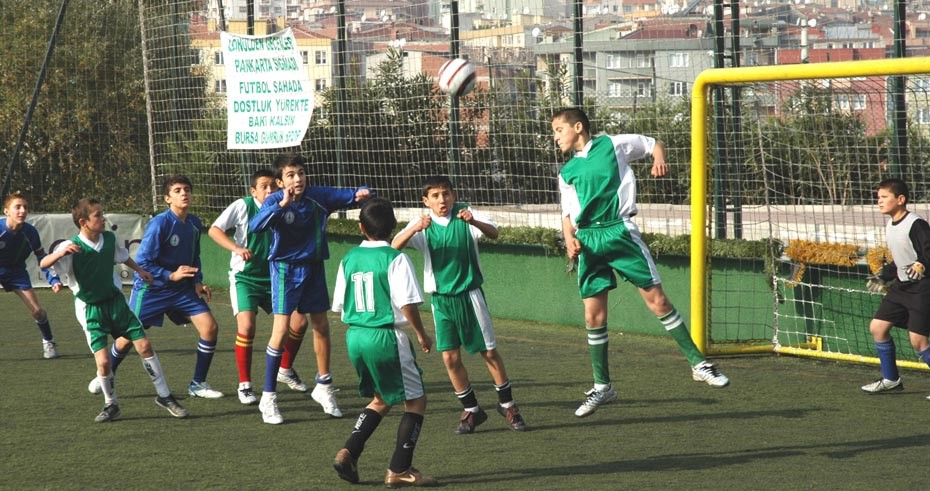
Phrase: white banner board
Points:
(58, 227)
(269, 99)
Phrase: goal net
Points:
(790, 159)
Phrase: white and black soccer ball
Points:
(457, 77)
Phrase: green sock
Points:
(597, 347)
(676, 327)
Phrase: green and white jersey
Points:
(90, 274)
(598, 185)
(236, 216)
(450, 252)
(374, 281)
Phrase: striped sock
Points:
(597, 347)
(292, 344)
(205, 350)
(116, 357)
(468, 399)
(504, 394)
(244, 357)
(675, 326)
(272, 364)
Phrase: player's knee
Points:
(143, 347)
(39, 314)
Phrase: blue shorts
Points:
(15, 279)
(151, 304)
(298, 286)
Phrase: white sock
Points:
(153, 368)
(109, 391)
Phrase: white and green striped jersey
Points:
(597, 185)
(374, 281)
(450, 252)
(236, 216)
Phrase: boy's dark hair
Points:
(377, 216)
(897, 187)
(573, 115)
(260, 173)
(82, 209)
(176, 179)
(433, 182)
(287, 159)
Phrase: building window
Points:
(858, 102)
(320, 84)
(613, 61)
(679, 60)
(219, 85)
(643, 88)
(320, 57)
(922, 84)
(923, 115)
(614, 89)
(678, 88)
(305, 56)
(641, 61)
(218, 58)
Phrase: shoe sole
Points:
(896, 388)
(479, 419)
(331, 415)
(608, 401)
(210, 396)
(346, 472)
(170, 410)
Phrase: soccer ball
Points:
(457, 77)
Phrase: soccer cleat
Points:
(411, 477)
(708, 372)
(203, 389)
(325, 395)
(884, 385)
(292, 380)
(246, 394)
(346, 466)
(470, 420)
(513, 417)
(94, 386)
(110, 413)
(171, 404)
(269, 408)
(595, 399)
(49, 349)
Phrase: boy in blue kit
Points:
(18, 239)
(448, 238)
(170, 252)
(377, 293)
(86, 262)
(297, 216)
(250, 284)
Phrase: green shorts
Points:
(613, 246)
(463, 320)
(108, 318)
(247, 293)
(386, 364)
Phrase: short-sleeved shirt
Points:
(373, 282)
(451, 265)
(236, 216)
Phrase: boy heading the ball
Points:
(598, 196)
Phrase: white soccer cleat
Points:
(595, 398)
(269, 408)
(706, 371)
(94, 386)
(325, 395)
(292, 380)
(49, 349)
(883, 385)
(246, 394)
(203, 389)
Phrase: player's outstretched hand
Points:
(183, 272)
(916, 271)
(876, 284)
(363, 194)
(204, 291)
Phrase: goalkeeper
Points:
(598, 194)
(907, 302)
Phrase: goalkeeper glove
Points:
(876, 284)
(915, 271)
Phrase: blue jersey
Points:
(15, 247)
(299, 229)
(167, 244)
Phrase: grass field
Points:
(784, 423)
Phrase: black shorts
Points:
(907, 305)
